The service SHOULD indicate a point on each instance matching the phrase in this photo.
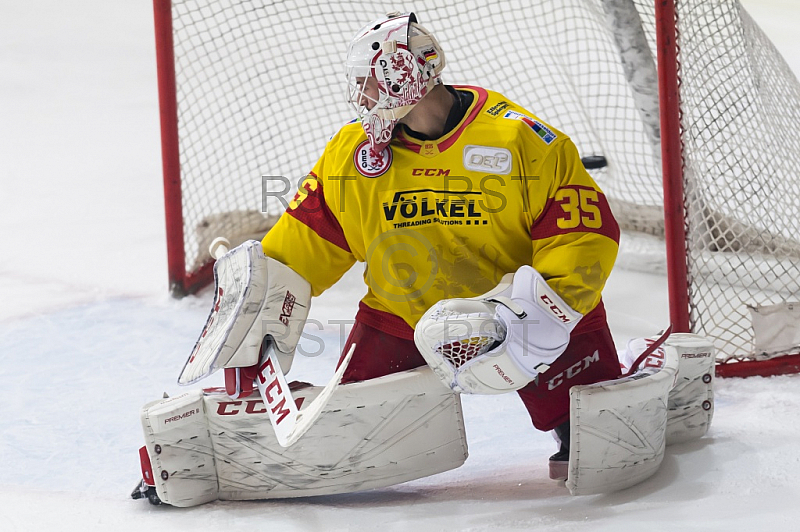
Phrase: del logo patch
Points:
(540, 129)
(370, 165)
(487, 159)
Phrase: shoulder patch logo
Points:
(540, 129)
(487, 159)
(370, 165)
(497, 108)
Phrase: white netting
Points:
(459, 352)
(741, 119)
(261, 88)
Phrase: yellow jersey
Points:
(449, 217)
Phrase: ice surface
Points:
(88, 333)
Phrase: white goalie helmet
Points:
(406, 62)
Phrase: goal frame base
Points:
(782, 365)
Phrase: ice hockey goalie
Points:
(211, 444)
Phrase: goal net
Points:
(251, 90)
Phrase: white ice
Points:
(89, 334)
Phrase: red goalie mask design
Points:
(392, 63)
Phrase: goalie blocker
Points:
(255, 297)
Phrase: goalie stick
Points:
(290, 423)
(647, 352)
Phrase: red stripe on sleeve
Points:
(309, 207)
(576, 209)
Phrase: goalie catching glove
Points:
(499, 341)
(255, 296)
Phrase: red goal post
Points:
(181, 281)
(696, 114)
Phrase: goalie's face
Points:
(370, 101)
(364, 94)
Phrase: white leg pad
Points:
(180, 449)
(691, 400)
(619, 429)
(372, 434)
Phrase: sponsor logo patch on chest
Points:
(368, 163)
(412, 208)
(487, 159)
